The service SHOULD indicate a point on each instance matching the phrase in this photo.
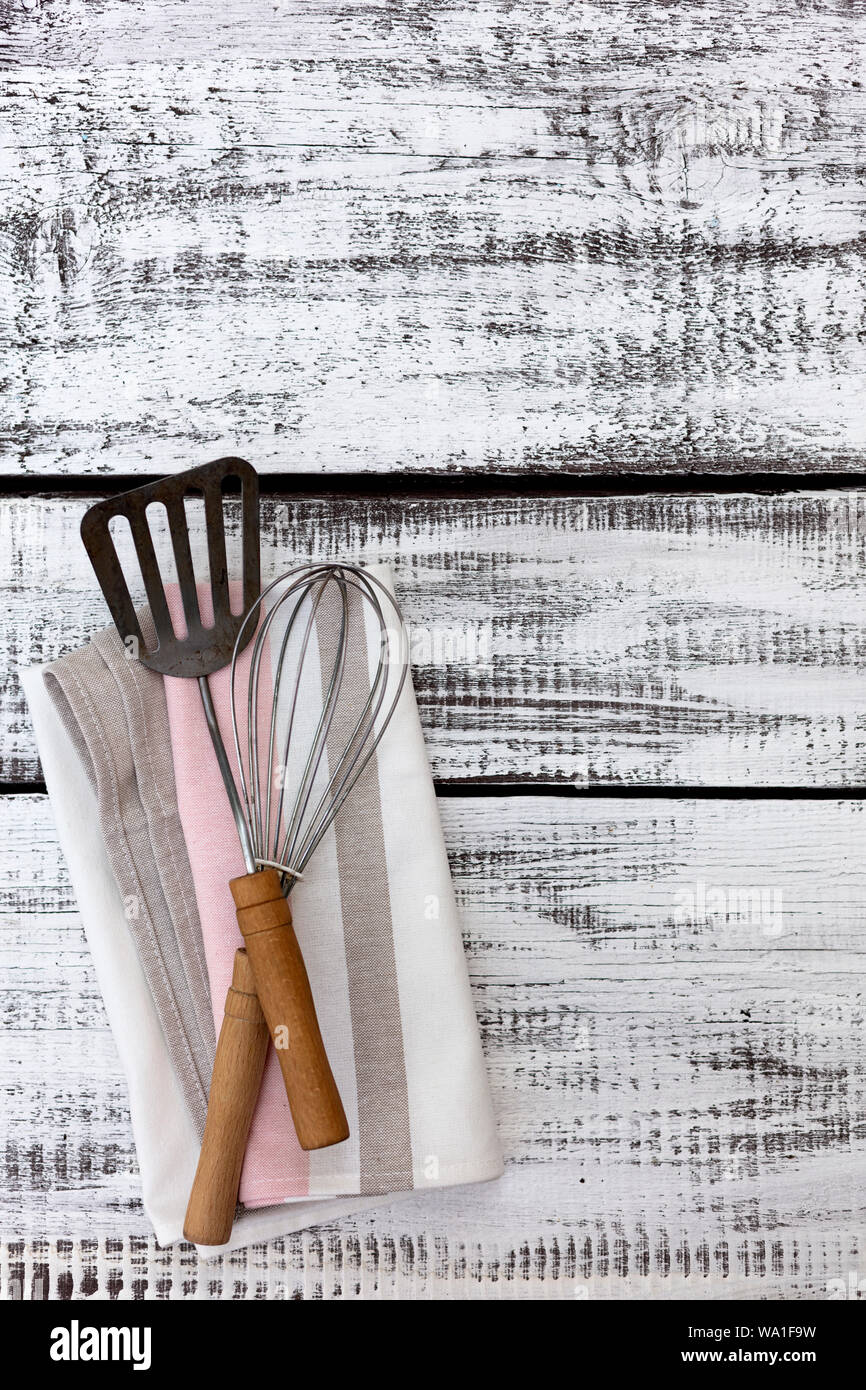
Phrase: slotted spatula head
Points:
(203, 649)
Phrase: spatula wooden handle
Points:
(234, 1088)
(265, 920)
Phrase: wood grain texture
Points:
(655, 641)
(528, 237)
(239, 1061)
(524, 236)
(286, 1000)
(670, 998)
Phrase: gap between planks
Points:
(457, 788)
(539, 483)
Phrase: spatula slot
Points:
(191, 555)
(120, 562)
(230, 490)
(216, 546)
(157, 517)
(153, 585)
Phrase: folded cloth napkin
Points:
(375, 916)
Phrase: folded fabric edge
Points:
(452, 1175)
(111, 710)
(165, 1138)
(258, 1224)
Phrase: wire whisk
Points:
(291, 795)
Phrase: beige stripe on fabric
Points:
(385, 1140)
(147, 724)
(114, 711)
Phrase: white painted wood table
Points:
(560, 308)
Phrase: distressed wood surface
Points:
(517, 237)
(665, 641)
(531, 238)
(670, 997)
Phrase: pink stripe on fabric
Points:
(275, 1166)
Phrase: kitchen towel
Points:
(375, 915)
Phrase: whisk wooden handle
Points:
(265, 919)
(234, 1088)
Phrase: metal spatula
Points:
(204, 649)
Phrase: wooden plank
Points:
(519, 237)
(642, 641)
(669, 995)
(528, 47)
